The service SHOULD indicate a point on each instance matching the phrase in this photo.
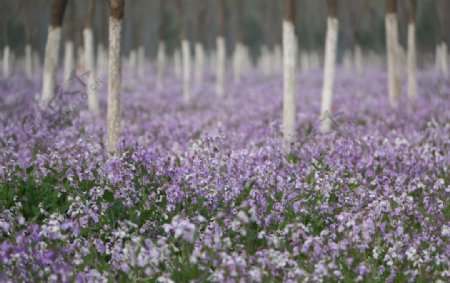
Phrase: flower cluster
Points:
(204, 192)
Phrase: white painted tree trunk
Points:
(28, 62)
(6, 62)
(412, 72)
(442, 58)
(237, 62)
(140, 60)
(177, 62)
(50, 65)
(358, 60)
(329, 70)
(392, 57)
(221, 61)
(68, 62)
(199, 62)
(114, 84)
(186, 55)
(288, 84)
(161, 64)
(90, 67)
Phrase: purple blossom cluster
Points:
(204, 192)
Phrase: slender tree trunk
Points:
(89, 59)
(199, 49)
(161, 56)
(329, 69)
(161, 62)
(114, 73)
(102, 57)
(52, 51)
(412, 72)
(141, 60)
(442, 8)
(221, 55)
(185, 55)
(288, 75)
(6, 62)
(28, 49)
(69, 55)
(28, 62)
(239, 48)
(69, 51)
(392, 51)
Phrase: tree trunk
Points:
(442, 48)
(392, 51)
(69, 51)
(114, 73)
(52, 51)
(68, 61)
(199, 49)
(239, 48)
(412, 72)
(185, 55)
(28, 49)
(89, 59)
(28, 62)
(141, 60)
(221, 55)
(6, 62)
(329, 68)
(161, 56)
(161, 62)
(288, 75)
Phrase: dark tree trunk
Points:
(391, 6)
(70, 22)
(221, 31)
(57, 12)
(90, 14)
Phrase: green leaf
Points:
(108, 196)
(293, 158)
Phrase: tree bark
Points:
(199, 49)
(330, 66)
(114, 74)
(412, 72)
(161, 56)
(69, 51)
(89, 59)
(52, 51)
(239, 48)
(392, 47)
(288, 75)
(221, 55)
(185, 55)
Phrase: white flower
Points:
(445, 231)
(242, 216)
(411, 254)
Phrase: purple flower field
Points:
(203, 192)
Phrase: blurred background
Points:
(147, 21)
